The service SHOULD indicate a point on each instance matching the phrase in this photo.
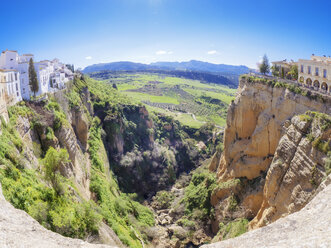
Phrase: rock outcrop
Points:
(295, 172)
(273, 154)
(309, 227)
(18, 229)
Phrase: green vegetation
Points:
(232, 229)
(164, 199)
(293, 73)
(52, 163)
(327, 164)
(26, 190)
(264, 67)
(146, 97)
(191, 102)
(197, 195)
(232, 183)
(33, 80)
(60, 118)
(322, 122)
(292, 87)
(124, 215)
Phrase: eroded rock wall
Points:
(268, 151)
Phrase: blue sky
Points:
(237, 32)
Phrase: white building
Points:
(52, 75)
(3, 97)
(11, 79)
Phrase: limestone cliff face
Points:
(295, 172)
(309, 227)
(268, 151)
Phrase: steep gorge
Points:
(85, 161)
(138, 179)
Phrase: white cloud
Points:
(212, 52)
(162, 52)
(88, 57)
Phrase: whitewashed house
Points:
(52, 75)
(3, 97)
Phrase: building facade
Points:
(282, 68)
(315, 73)
(11, 80)
(3, 104)
(52, 75)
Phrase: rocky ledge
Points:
(310, 227)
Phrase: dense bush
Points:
(164, 199)
(197, 195)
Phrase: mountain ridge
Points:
(193, 65)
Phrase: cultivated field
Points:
(189, 101)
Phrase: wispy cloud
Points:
(212, 52)
(162, 52)
(88, 57)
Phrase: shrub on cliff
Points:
(52, 163)
(197, 194)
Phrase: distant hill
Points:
(193, 65)
(204, 77)
(116, 66)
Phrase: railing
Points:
(296, 83)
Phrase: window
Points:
(324, 73)
(17, 93)
(16, 86)
(309, 69)
(15, 76)
(316, 71)
(301, 69)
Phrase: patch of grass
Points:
(221, 94)
(146, 97)
(228, 184)
(233, 229)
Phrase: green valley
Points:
(191, 102)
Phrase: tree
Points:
(293, 73)
(53, 161)
(275, 70)
(33, 80)
(264, 66)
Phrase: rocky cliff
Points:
(274, 154)
(309, 227)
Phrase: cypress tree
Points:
(33, 80)
(264, 66)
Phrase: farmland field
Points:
(191, 102)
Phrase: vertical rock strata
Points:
(268, 146)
